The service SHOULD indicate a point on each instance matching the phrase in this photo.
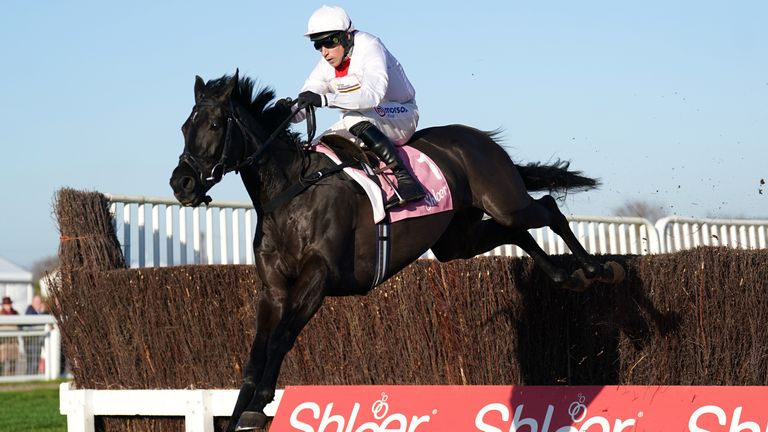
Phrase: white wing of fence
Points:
(159, 232)
(198, 407)
(678, 233)
(221, 233)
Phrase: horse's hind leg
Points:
(609, 272)
(470, 235)
(559, 225)
(576, 281)
(544, 212)
(507, 201)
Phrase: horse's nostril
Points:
(187, 184)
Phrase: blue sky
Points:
(665, 101)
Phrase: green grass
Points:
(34, 410)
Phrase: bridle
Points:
(224, 164)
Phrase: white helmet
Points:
(328, 19)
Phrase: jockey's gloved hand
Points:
(284, 103)
(310, 98)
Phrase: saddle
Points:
(377, 180)
(347, 151)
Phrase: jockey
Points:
(359, 76)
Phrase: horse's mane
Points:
(258, 102)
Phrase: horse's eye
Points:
(215, 125)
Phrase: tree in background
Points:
(42, 267)
(640, 208)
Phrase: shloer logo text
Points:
(736, 424)
(331, 420)
(597, 423)
(521, 409)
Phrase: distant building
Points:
(16, 283)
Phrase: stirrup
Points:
(393, 202)
(397, 200)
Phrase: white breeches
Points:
(397, 121)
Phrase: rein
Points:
(305, 181)
(311, 129)
(223, 167)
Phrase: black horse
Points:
(324, 242)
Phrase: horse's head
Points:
(228, 124)
(207, 131)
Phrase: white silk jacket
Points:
(374, 76)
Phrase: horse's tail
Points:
(555, 177)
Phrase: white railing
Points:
(198, 407)
(30, 348)
(157, 232)
(679, 233)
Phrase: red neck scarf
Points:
(343, 68)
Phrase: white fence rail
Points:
(198, 407)
(158, 232)
(30, 348)
(678, 233)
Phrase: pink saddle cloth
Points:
(438, 197)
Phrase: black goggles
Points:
(330, 42)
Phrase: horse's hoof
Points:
(591, 271)
(613, 273)
(251, 421)
(578, 282)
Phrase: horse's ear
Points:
(232, 82)
(199, 87)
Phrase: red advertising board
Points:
(522, 409)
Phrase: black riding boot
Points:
(408, 189)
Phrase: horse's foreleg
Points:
(306, 297)
(268, 313)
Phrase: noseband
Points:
(223, 166)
